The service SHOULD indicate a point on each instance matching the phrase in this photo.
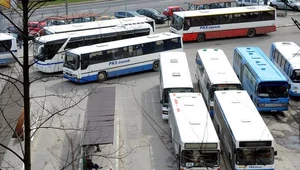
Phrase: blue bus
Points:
(265, 84)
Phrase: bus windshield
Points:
(71, 61)
(217, 87)
(174, 90)
(296, 76)
(255, 156)
(266, 90)
(38, 49)
(177, 22)
(199, 158)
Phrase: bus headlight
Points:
(261, 105)
(285, 104)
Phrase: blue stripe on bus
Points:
(120, 72)
(294, 94)
(46, 64)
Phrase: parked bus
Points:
(214, 72)
(8, 49)
(195, 141)
(265, 84)
(286, 56)
(49, 50)
(174, 77)
(112, 59)
(246, 140)
(201, 25)
(132, 21)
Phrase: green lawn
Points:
(60, 2)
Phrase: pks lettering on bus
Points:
(118, 62)
(209, 27)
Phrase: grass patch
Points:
(63, 2)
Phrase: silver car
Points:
(278, 4)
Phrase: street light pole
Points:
(67, 12)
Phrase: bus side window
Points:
(286, 68)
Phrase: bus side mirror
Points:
(275, 153)
(289, 86)
(161, 101)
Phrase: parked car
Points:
(125, 14)
(168, 12)
(34, 27)
(105, 18)
(154, 14)
(278, 4)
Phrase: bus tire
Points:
(295, 8)
(201, 37)
(155, 66)
(102, 76)
(251, 32)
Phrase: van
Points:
(249, 2)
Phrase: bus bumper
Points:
(272, 109)
(294, 93)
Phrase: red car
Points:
(34, 27)
(170, 9)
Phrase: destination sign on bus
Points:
(209, 27)
(118, 62)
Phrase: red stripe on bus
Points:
(228, 33)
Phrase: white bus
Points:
(49, 50)
(112, 59)
(174, 77)
(8, 48)
(132, 21)
(195, 141)
(247, 141)
(214, 72)
(200, 25)
(286, 56)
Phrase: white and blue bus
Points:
(49, 50)
(214, 72)
(102, 61)
(247, 142)
(286, 56)
(119, 22)
(264, 82)
(8, 49)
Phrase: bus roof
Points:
(219, 11)
(121, 43)
(175, 70)
(62, 36)
(244, 120)
(97, 24)
(218, 68)
(6, 36)
(291, 52)
(202, 2)
(192, 118)
(260, 64)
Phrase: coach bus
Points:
(246, 140)
(286, 56)
(264, 82)
(8, 49)
(194, 138)
(112, 59)
(214, 72)
(201, 25)
(132, 21)
(49, 50)
(174, 77)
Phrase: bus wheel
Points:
(102, 76)
(201, 37)
(156, 66)
(251, 32)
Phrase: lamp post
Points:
(67, 12)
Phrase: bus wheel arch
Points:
(251, 32)
(201, 37)
(102, 76)
(155, 66)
